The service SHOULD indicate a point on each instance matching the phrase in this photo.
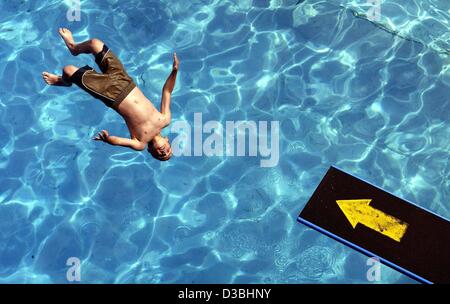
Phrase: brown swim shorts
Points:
(112, 86)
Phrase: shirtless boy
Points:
(115, 88)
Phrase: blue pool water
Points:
(369, 97)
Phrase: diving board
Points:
(377, 223)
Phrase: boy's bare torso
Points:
(143, 120)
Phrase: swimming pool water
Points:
(346, 91)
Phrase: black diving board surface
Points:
(379, 224)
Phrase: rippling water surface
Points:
(369, 97)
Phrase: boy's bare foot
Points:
(52, 79)
(68, 39)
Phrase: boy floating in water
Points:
(118, 91)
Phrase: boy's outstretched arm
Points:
(167, 90)
(120, 141)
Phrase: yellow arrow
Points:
(359, 211)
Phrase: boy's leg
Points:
(63, 80)
(92, 46)
(110, 90)
(95, 47)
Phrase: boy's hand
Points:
(176, 62)
(102, 136)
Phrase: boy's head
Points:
(159, 148)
